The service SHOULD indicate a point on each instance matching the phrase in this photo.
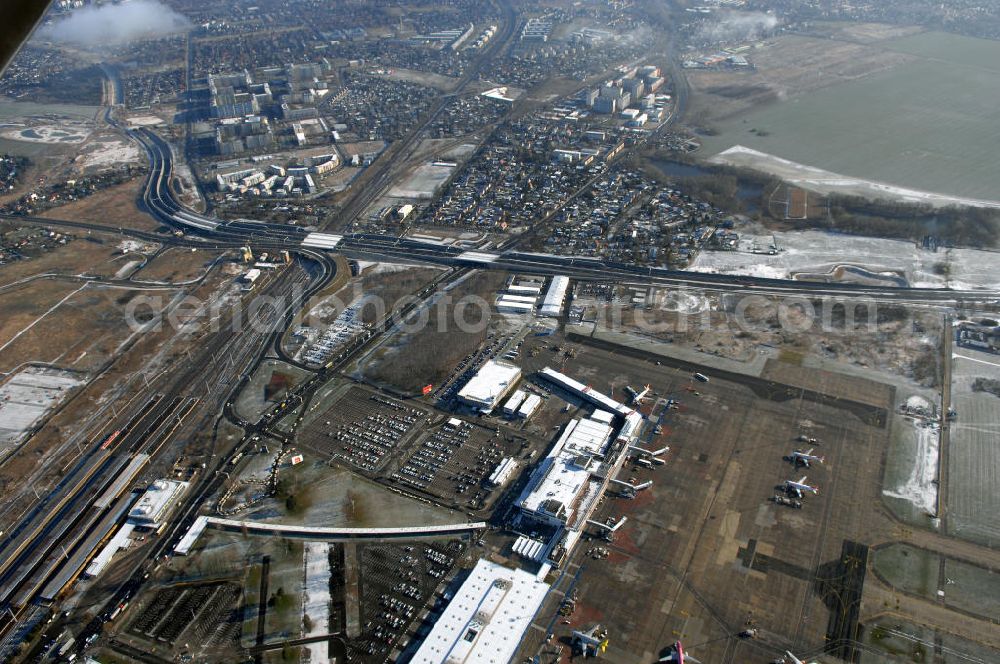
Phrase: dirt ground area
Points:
(92, 254)
(785, 66)
(706, 552)
(178, 265)
(794, 203)
(83, 332)
(114, 207)
(90, 412)
(898, 341)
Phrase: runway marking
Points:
(954, 357)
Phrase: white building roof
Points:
(603, 416)
(554, 296)
(115, 544)
(530, 548)
(191, 536)
(633, 418)
(515, 401)
(156, 502)
(519, 307)
(517, 298)
(585, 391)
(529, 406)
(489, 384)
(566, 469)
(523, 289)
(485, 621)
(503, 471)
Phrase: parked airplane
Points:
(635, 396)
(805, 458)
(676, 655)
(800, 487)
(591, 642)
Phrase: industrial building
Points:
(156, 503)
(506, 305)
(490, 385)
(530, 405)
(553, 303)
(485, 621)
(524, 289)
(503, 472)
(515, 401)
(518, 298)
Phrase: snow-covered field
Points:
(110, 153)
(825, 182)
(316, 598)
(920, 486)
(821, 252)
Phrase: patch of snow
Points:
(316, 598)
(130, 246)
(374, 267)
(920, 488)
(126, 269)
(817, 179)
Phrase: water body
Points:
(932, 124)
(748, 194)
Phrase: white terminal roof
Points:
(156, 502)
(489, 384)
(566, 469)
(633, 418)
(486, 620)
(554, 296)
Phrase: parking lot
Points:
(361, 429)
(453, 463)
(203, 614)
(396, 582)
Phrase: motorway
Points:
(34, 552)
(159, 201)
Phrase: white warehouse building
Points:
(485, 622)
(553, 303)
(489, 386)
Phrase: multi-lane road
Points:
(160, 201)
